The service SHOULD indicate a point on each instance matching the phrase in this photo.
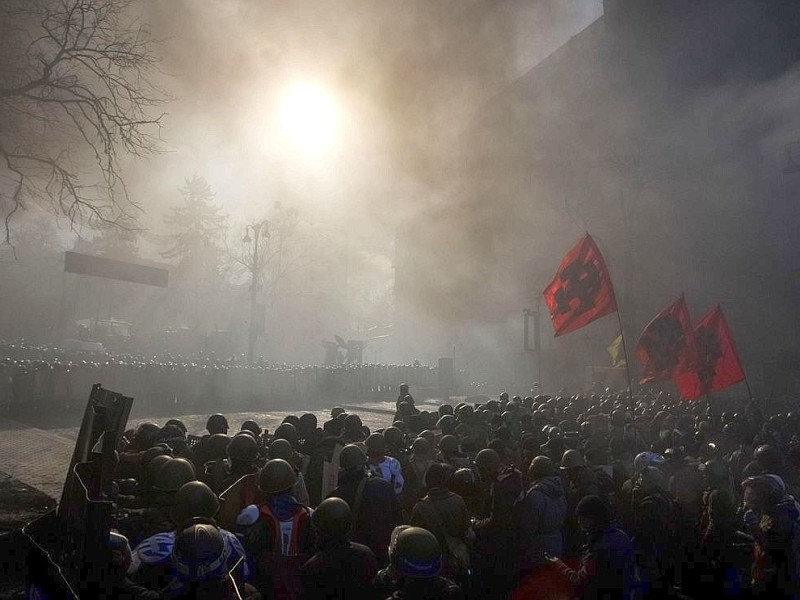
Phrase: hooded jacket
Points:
(541, 522)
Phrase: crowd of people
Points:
(38, 378)
(601, 496)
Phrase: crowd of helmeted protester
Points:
(601, 496)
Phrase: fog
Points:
(465, 147)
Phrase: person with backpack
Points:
(277, 532)
(376, 508)
(445, 514)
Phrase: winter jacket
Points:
(607, 567)
(444, 514)
(341, 569)
(776, 556)
(541, 522)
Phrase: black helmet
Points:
(286, 431)
(416, 553)
(464, 482)
(251, 425)
(421, 446)
(766, 456)
(145, 435)
(217, 446)
(217, 424)
(243, 448)
(199, 552)
(393, 436)
(336, 411)
(332, 517)
(488, 459)
(177, 423)
(541, 466)
(194, 499)
(173, 474)
(152, 468)
(352, 423)
(447, 424)
(376, 445)
(352, 457)
(715, 470)
(151, 453)
(276, 476)
(448, 444)
(308, 423)
(281, 449)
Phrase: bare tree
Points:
(75, 97)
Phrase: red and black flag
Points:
(581, 291)
(717, 365)
(666, 347)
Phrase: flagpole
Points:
(627, 361)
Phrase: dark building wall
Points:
(661, 129)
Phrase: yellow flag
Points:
(616, 352)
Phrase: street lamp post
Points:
(259, 229)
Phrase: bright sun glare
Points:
(309, 118)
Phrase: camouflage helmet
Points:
(276, 476)
(194, 499)
(332, 517)
(243, 448)
(352, 457)
(173, 474)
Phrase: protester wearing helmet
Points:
(376, 508)
(416, 562)
(773, 519)
(496, 534)
(607, 567)
(542, 514)
(445, 514)
(277, 532)
(341, 568)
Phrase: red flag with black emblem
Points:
(718, 365)
(666, 347)
(581, 291)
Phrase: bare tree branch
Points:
(76, 98)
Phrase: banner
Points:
(666, 347)
(581, 291)
(718, 365)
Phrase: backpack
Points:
(455, 549)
